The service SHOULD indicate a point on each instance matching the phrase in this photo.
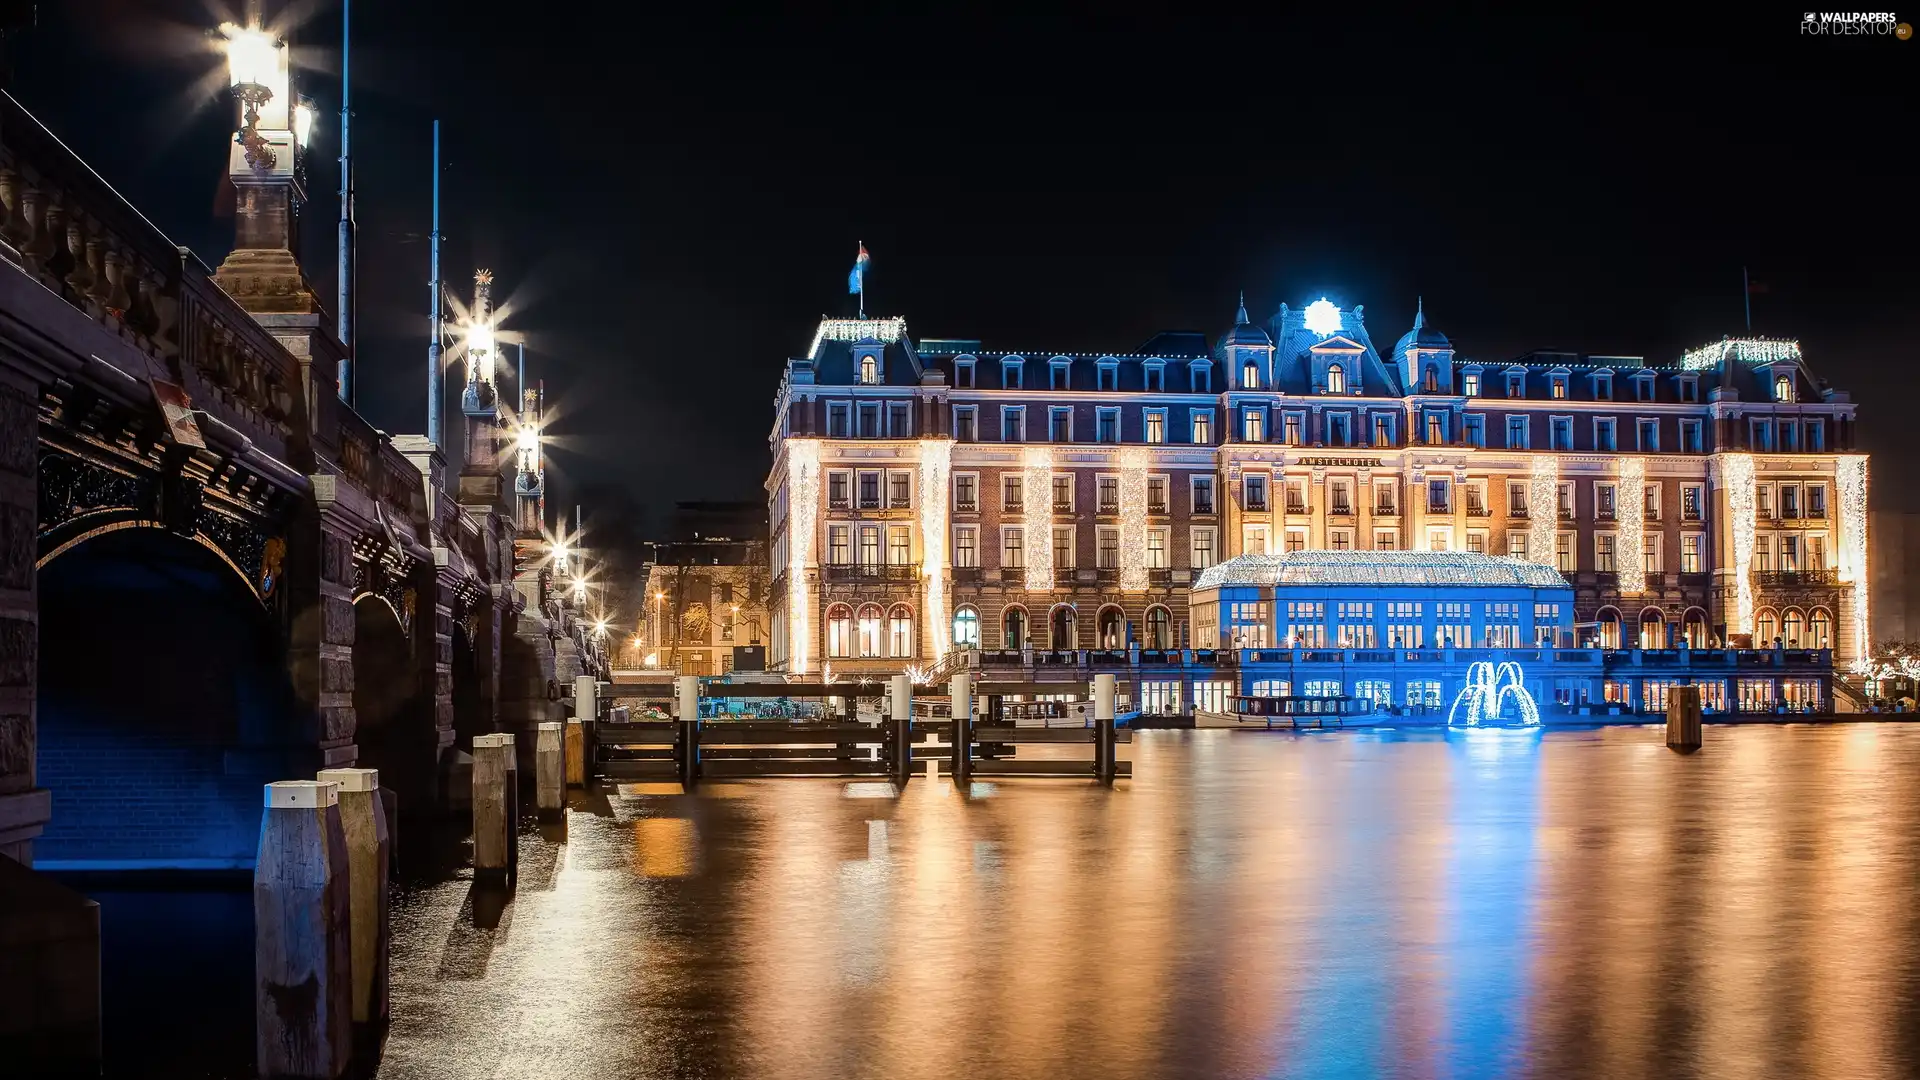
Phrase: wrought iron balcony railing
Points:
(872, 571)
(1789, 578)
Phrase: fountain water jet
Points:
(1494, 697)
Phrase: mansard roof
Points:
(1422, 336)
(1292, 356)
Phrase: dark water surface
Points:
(1579, 903)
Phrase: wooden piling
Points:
(900, 732)
(576, 753)
(550, 769)
(492, 808)
(363, 820)
(687, 751)
(1104, 736)
(1683, 718)
(303, 986)
(962, 737)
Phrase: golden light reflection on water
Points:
(1574, 904)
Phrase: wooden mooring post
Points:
(303, 986)
(363, 820)
(493, 824)
(687, 750)
(1104, 736)
(1683, 718)
(900, 732)
(550, 769)
(962, 736)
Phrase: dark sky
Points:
(671, 205)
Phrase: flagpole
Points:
(863, 284)
(1746, 294)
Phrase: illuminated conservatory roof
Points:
(1379, 568)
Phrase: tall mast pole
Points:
(435, 391)
(349, 256)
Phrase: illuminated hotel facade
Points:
(932, 493)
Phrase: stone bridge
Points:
(213, 573)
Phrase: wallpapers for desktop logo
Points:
(1855, 24)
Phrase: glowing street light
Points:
(254, 68)
(302, 122)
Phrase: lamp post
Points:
(254, 69)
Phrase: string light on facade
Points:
(1750, 351)
(803, 494)
(1037, 494)
(881, 330)
(1850, 475)
(1736, 479)
(1543, 509)
(1630, 504)
(936, 462)
(1133, 519)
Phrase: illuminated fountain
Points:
(1493, 697)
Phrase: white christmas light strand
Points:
(1543, 509)
(1038, 495)
(1630, 503)
(1751, 351)
(803, 505)
(1133, 519)
(1736, 479)
(936, 461)
(1851, 479)
(885, 330)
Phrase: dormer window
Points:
(1010, 374)
(1336, 379)
(1202, 376)
(963, 375)
(1430, 382)
(1060, 375)
(1156, 377)
(1689, 388)
(1559, 390)
(869, 370)
(1250, 376)
(1516, 384)
(1643, 387)
(1470, 384)
(1603, 388)
(1783, 388)
(1108, 375)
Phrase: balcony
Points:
(967, 575)
(1604, 513)
(966, 507)
(1385, 510)
(872, 571)
(1518, 512)
(1107, 575)
(1566, 513)
(1157, 507)
(1013, 506)
(1013, 575)
(1063, 575)
(1160, 577)
(1773, 579)
(1105, 507)
(1341, 509)
(1478, 511)
(1063, 506)
(1439, 508)
(870, 504)
(1203, 507)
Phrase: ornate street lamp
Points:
(254, 69)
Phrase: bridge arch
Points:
(164, 702)
(392, 730)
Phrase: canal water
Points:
(1351, 904)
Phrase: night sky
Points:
(671, 205)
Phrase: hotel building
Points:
(932, 493)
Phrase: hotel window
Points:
(1563, 553)
(1503, 625)
(963, 374)
(1253, 425)
(1643, 388)
(1339, 429)
(1763, 552)
(839, 485)
(1816, 500)
(966, 492)
(837, 420)
(1516, 498)
(1760, 435)
(1476, 498)
(1296, 539)
(1385, 540)
(899, 546)
(1108, 550)
(1156, 494)
(1201, 376)
(1063, 547)
(898, 426)
(1474, 430)
(839, 545)
(1340, 539)
(1546, 623)
(1783, 388)
(966, 423)
(1816, 435)
(1430, 382)
(839, 630)
(1763, 500)
(1356, 624)
(1517, 543)
(1156, 549)
(899, 491)
(1603, 388)
(1650, 553)
(1060, 423)
(1247, 624)
(1650, 502)
(1011, 493)
(1202, 427)
(1436, 427)
(1107, 425)
(1013, 547)
(1202, 549)
(1109, 489)
(1296, 496)
(1691, 497)
(1336, 379)
(869, 545)
(1603, 439)
(869, 417)
(1062, 493)
(1789, 436)
(1470, 385)
(1254, 491)
(1692, 437)
(869, 491)
(1477, 542)
(1604, 507)
(1439, 539)
(1340, 497)
(1689, 388)
(1203, 494)
(1106, 377)
(1563, 499)
(1816, 552)
(869, 369)
(1558, 387)
(1386, 498)
(1452, 625)
(1603, 552)
(1649, 435)
(1561, 428)
(1253, 540)
(1290, 429)
(1011, 372)
(1789, 553)
(1250, 376)
(1156, 378)
(1690, 544)
(1406, 628)
(1516, 384)
(1155, 426)
(966, 546)
(1438, 501)
(1382, 430)
(1789, 501)
(1013, 423)
(900, 631)
(1306, 624)
(1059, 375)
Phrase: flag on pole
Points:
(857, 277)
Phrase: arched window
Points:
(900, 631)
(1112, 628)
(1783, 388)
(1792, 625)
(1608, 621)
(1159, 628)
(1766, 625)
(1820, 629)
(1336, 379)
(839, 631)
(1696, 628)
(966, 628)
(869, 370)
(1014, 625)
(1431, 382)
(869, 626)
(1064, 628)
(1653, 629)
(1250, 376)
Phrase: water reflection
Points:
(1579, 903)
